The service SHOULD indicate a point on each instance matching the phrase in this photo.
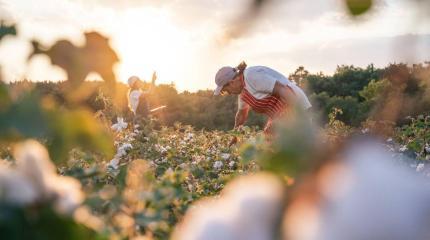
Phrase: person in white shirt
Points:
(261, 89)
(137, 97)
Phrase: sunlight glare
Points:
(147, 40)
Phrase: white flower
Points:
(225, 156)
(389, 140)
(403, 148)
(366, 130)
(120, 125)
(420, 167)
(218, 165)
(231, 164)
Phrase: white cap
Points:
(131, 80)
(222, 77)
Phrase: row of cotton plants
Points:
(156, 174)
(159, 177)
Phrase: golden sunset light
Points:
(215, 119)
(147, 40)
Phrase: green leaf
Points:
(76, 128)
(358, 7)
(41, 223)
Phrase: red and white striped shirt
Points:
(259, 82)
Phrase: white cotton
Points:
(15, 188)
(218, 165)
(248, 208)
(114, 163)
(32, 160)
(420, 167)
(379, 199)
(119, 125)
(68, 194)
(35, 180)
(225, 156)
(231, 164)
(427, 148)
(403, 148)
(122, 150)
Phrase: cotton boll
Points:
(420, 167)
(218, 165)
(120, 125)
(364, 195)
(258, 201)
(36, 178)
(383, 200)
(68, 194)
(225, 156)
(15, 188)
(207, 219)
(114, 163)
(33, 162)
(248, 208)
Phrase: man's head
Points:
(132, 81)
(228, 80)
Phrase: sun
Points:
(147, 40)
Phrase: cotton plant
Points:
(35, 180)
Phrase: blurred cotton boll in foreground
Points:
(248, 208)
(362, 195)
(34, 180)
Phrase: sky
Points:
(183, 39)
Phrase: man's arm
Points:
(241, 116)
(242, 113)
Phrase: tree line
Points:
(355, 90)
